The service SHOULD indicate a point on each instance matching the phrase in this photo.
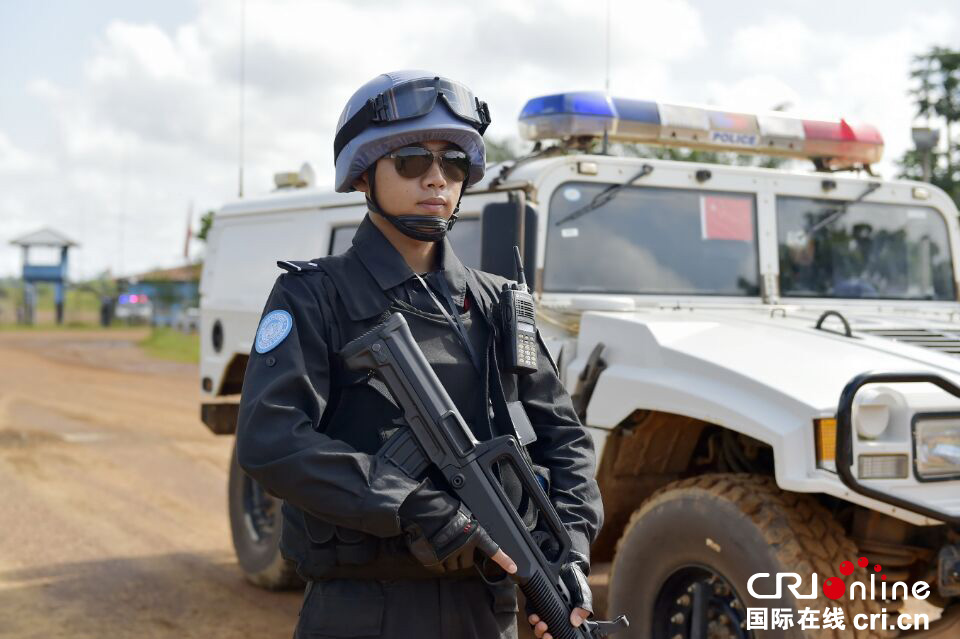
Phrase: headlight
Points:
(938, 448)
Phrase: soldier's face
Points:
(432, 193)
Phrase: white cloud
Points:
(782, 43)
(152, 122)
(43, 89)
(752, 94)
(16, 161)
(827, 72)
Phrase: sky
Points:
(118, 118)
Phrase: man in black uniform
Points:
(385, 555)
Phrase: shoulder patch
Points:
(273, 329)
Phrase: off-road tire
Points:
(736, 525)
(259, 559)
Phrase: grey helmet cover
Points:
(379, 139)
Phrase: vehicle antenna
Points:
(243, 65)
(607, 82)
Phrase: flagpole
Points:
(186, 243)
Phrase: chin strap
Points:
(426, 228)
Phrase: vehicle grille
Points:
(944, 342)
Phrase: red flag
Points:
(186, 244)
(726, 218)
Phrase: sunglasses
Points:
(414, 161)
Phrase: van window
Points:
(465, 238)
(342, 238)
(650, 240)
(887, 251)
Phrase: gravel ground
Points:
(113, 508)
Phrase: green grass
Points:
(76, 298)
(79, 303)
(66, 326)
(167, 343)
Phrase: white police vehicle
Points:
(134, 307)
(767, 359)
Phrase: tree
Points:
(205, 223)
(936, 96)
(910, 166)
(501, 150)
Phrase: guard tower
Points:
(33, 273)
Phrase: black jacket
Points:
(321, 462)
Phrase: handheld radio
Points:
(519, 324)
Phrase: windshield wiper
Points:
(605, 196)
(843, 208)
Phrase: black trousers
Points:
(464, 608)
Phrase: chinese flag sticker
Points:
(726, 218)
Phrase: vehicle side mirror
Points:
(498, 223)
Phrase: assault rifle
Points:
(438, 435)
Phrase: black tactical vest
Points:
(361, 413)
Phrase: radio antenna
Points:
(521, 277)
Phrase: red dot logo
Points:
(876, 568)
(846, 568)
(834, 588)
(862, 562)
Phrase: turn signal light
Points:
(825, 434)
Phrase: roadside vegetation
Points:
(171, 344)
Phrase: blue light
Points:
(637, 110)
(593, 103)
(543, 105)
(589, 114)
(590, 103)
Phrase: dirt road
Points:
(113, 514)
(113, 517)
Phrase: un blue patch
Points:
(274, 328)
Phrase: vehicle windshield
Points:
(652, 241)
(884, 251)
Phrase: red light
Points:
(816, 130)
(133, 299)
(867, 133)
(840, 143)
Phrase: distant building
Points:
(160, 296)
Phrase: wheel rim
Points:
(259, 512)
(697, 603)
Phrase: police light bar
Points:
(835, 144)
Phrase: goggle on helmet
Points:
(400, 108)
